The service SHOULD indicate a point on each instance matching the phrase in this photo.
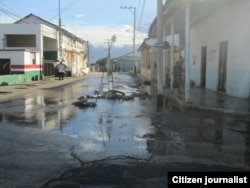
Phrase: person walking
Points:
(61, 70)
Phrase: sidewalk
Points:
(209, 100)
(9, 92)
(200, 98)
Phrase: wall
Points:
(46, 41)
(19, 78)
(19, 29)
(228, 23)
(22, 67)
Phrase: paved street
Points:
(48, 142)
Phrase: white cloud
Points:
(8, 19)
(79, 15)
(99, 35)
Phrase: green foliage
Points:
(102, 61)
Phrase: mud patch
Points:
(100, 174)
(4, 92)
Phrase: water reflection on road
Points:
(110, 129)
(132, 128)
(45, 109)
(207, 137)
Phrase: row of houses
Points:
(210, 37)
(30, 47)
(122, 63)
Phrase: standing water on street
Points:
(50, 125)
(134, 128)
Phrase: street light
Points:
(109, 66)
(133, 11)
(113, 38)
(110, 42)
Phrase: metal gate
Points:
(49, 68)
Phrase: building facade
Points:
(214, 36)
(125, 63)
(30, 47)
(220, 49)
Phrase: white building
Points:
(29, 47)
(216, 40)
(220, 46)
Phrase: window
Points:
(33, 58)
(4, 66)
(21, 40)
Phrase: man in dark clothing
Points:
(177, 77)
(61, 70)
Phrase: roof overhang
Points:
(174, 11)
(147, 42)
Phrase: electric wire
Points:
(141, 15)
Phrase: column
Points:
(187, 52)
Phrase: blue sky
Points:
(93, 20)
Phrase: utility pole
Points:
(133, 11)
(88, 64)
(60, 31)
(109, 66)
(187, 52)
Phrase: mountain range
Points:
(98, 52)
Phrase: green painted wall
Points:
(17, 77)
(125, 65)
(50, 55)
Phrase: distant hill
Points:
(100, 52)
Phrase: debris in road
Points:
(140, 94)
(112, 94)
(83, 102)
(116, 94)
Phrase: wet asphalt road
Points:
(130, 143)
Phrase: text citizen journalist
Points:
(207, 180)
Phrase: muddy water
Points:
(132, 128)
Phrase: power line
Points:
(133, 11)
(9, 13)
(64, 9)
(141, 15)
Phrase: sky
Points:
(95, 21)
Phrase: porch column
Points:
(41, 59)
(164, 59)
(172, 57)
(187, 52)
(159, 54)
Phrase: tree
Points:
(102, 61)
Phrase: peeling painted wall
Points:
(229, 23)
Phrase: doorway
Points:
(203, 66)
(222, 66)
(4, 66)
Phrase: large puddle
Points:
(131, 128)
(113, 127)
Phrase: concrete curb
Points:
(14, 91)
(218, 110)
(182, 105)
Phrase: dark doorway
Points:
(222, 66)
(4, 66)
(48, 68)
(203, 66)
